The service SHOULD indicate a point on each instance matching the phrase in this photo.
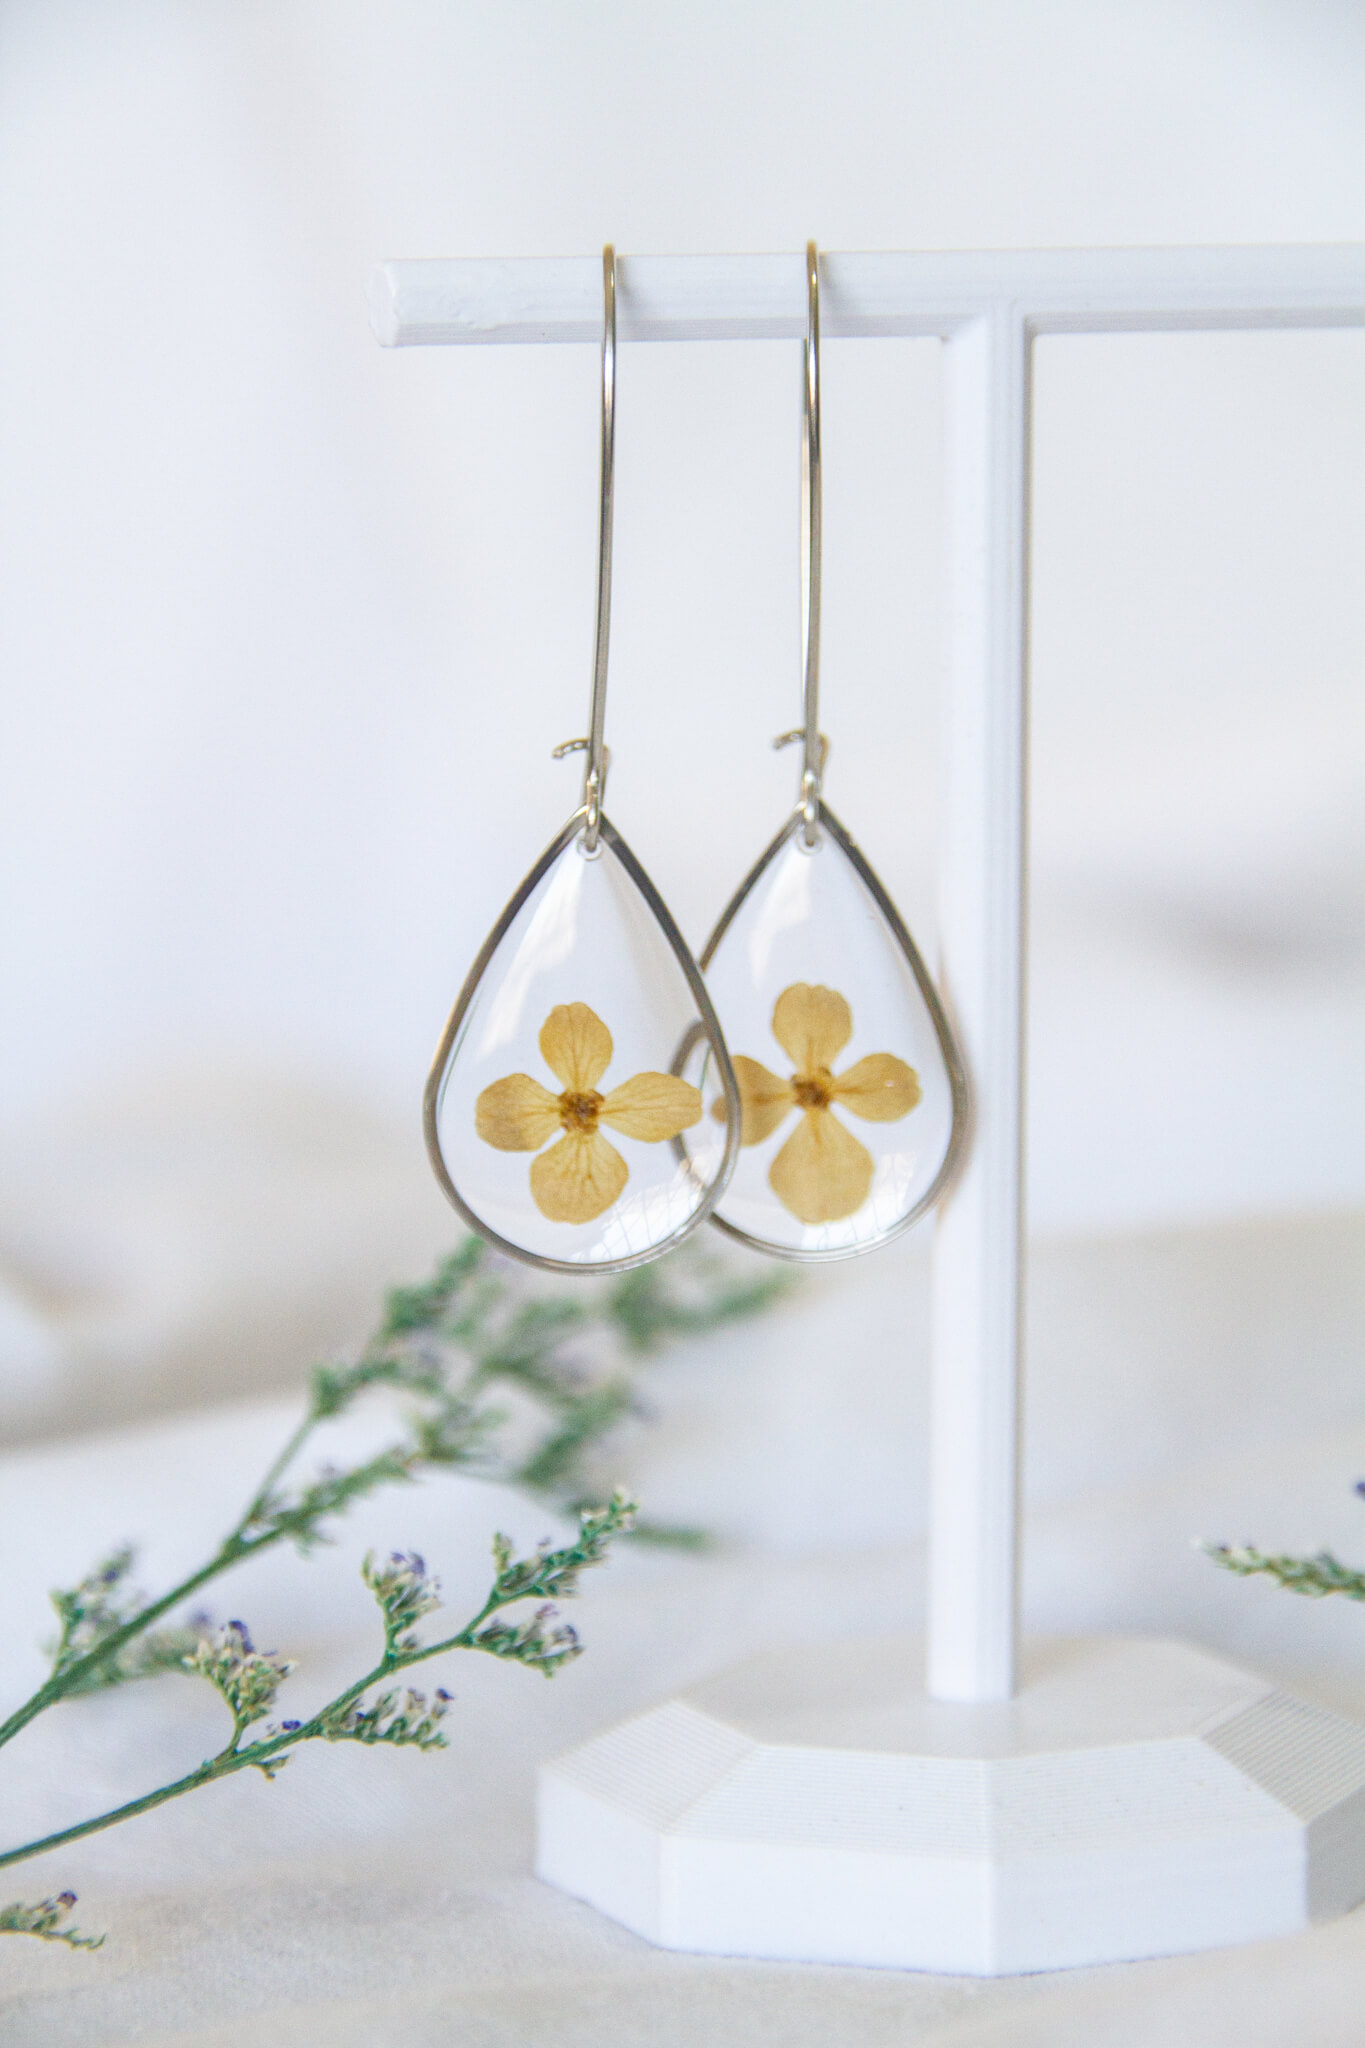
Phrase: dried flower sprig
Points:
(449, 1345)
(89, 1614)
(248, 1679)
(45, 1920)
(396, 1718)
(1315, 1577)
(446, 1346)
(404, 1591)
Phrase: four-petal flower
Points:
(822, 1173)
(581, 1176)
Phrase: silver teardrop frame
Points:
(706, 1019)
(953, 1061)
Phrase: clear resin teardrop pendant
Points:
(853, 1095)
(852, 1091)
(555, 1103)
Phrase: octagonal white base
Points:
(1136, 1799)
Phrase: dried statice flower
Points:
(544, 1642)
(405, 1719)
(92, 1610)
(1315, 1577)
(405, 1592)
(45, 1920)
(247, 1678)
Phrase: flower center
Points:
(813, 1091)
(579, 1112)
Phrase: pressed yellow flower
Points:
(582, 1175)
(822, 1173)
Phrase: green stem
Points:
(216, 1767)
(295, 1444)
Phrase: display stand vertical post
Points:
(875, 1803)
(973, 1554)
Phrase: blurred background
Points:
(291, 624)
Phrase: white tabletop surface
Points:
(386, 1898)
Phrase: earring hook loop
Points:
(594, 746)
(814, 744)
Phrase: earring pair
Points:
(798, 1084)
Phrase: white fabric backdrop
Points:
(386, 1899)
(291, 624)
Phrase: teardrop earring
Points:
(567, 1039)
(852, 1089)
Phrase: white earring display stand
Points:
(870, 1804)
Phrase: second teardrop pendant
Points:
(853, 1093)
(556, 1103)
(851, 1088)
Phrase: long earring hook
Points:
(599, 755)
(814, 744)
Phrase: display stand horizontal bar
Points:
(762, 298)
